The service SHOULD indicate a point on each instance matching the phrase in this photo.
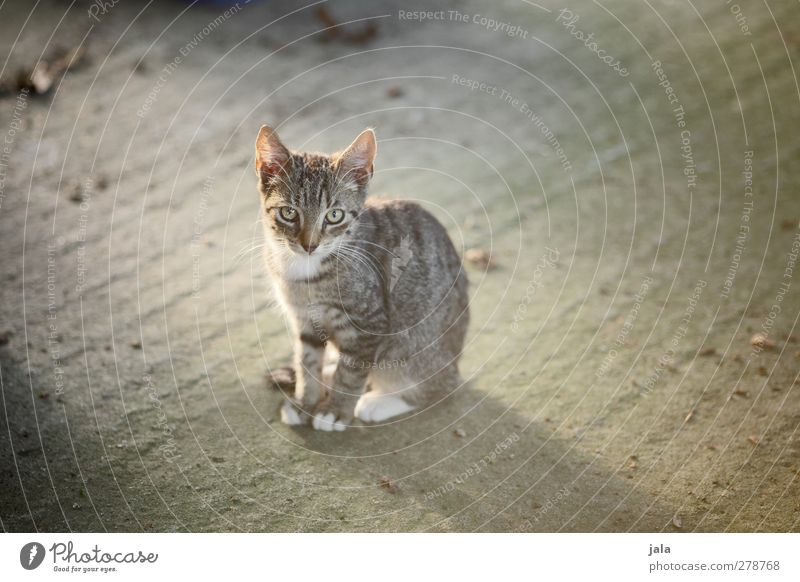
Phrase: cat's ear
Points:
(356, 161)
(272, 157)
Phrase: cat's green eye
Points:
(334, 216)
(288, 213)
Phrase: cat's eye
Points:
(288, 213)
(334, 216)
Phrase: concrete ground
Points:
(637, 191)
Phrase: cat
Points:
(376, 286)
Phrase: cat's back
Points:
(422, 253)
(403, 217)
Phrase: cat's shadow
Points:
(473, 463)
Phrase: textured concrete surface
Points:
(638, 247)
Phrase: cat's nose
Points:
(310, 247)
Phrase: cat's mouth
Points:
(311, 251)
(302, 265)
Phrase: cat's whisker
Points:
(358, 248)
(343, 251)
(249, 248)
(381, 247)
(359, 253)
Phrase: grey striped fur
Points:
(382, 294)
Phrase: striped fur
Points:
(384, 290)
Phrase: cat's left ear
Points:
(272, 157)
(356, 162)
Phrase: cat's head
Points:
(310, 201)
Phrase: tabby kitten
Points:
(376, 284)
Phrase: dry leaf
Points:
(335, 30)
(40, 78)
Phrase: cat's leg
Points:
(308, 358)
(329, 365)
(349, 380)
(402, 383)
(415, 383)
(433, 387)
(435, 370)
(389, 393)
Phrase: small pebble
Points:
(479, 258)
(762, 341)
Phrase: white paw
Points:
(375, 407)
(327, 421)
(289, 415)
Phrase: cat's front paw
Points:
(329, 417)
(327, 421)
(292, 415)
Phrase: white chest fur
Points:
(303, 267)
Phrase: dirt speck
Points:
(387, 484)
(480, 258)
(336, 31)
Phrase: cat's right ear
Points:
(272, 157)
